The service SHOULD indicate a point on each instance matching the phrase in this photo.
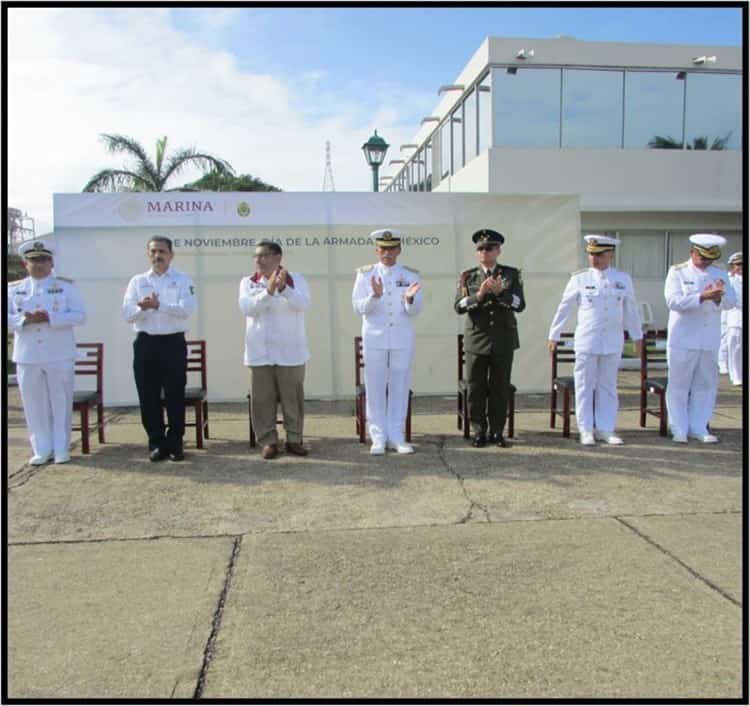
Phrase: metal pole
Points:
(375, 177)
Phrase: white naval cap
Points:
(387, 238)
(735, 258)
(600, 243)
(708, 245)
(31, 249)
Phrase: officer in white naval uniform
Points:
(695, 291)
(735, 363)
(387, 296)
(42, 311)
(606, 305)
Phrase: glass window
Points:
(457, 138)
(592, 108)
(653, 109)
(526, 107)
(470, 126)
(445, 149)
(484, 110)
(428, 166)
(714, 112)
(641, 254)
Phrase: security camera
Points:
(524, 53)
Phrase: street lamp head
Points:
(375, 149)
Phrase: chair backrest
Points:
(647, 314)
(563, 353)
(196, 360)
(460, 356)
(90, 361)
(359, 360)
(654, 350)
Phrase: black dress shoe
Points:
(177, 456)
(479, 440)
(157, 455)
(500, 441)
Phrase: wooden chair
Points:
(653, 353)
(462, 397)
(90, 362)
(360, 409)
(196, 397)
(564, 385)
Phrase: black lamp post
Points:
(375, 149)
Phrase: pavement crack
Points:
(208, 652)
(685, 566)
(474, 506)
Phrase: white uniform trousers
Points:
(386, 414)
(47, 395)
(735, 362)
(595, 378)
(691, 389)
(723, 351)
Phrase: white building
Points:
(648, 135)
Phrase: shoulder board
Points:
(682, 264)
(365, 268)
(470, 271)
(15, 282)
(410, 269)
(64, 279)
(579, 272)
(508, 267)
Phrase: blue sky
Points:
(265, 87)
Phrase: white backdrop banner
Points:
(101, 243)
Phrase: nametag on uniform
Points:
(54, 291)
(619, 285)
(402, 283)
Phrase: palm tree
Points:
(699, 143)
(146, 175)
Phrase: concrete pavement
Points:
(545, 570)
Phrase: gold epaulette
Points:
(579, 272)
(365, 268)
(682, 264)
(15, 282)
(65, 279)
(411, 269)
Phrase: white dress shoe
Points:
(62, 458)
(706, 438)
(40, 460)
(587, 438)
(679, 438)
(377, 448)
(610, 438)
(401, 447)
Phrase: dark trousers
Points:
(489, 389)
(159, 364)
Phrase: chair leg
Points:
(85, 429)
(198, 407)
(644, 403)
(662, 416)
(511, 414)
(100, 422)
(361, 418)
(552, 407)
(205, 418)
(408, 419)
(566, 412)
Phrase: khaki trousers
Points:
(269, 386)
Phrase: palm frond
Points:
(205, 162)
(131, 146)
(116, 180)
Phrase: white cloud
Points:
(74, 73)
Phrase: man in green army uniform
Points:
(490, 294)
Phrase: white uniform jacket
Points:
(275, 325)
(695, 325)
(606, 306)
(386, 322)
(48, 341)
(734, 315)
(176, 294)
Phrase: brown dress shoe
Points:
(269, 452)
(296, 448)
